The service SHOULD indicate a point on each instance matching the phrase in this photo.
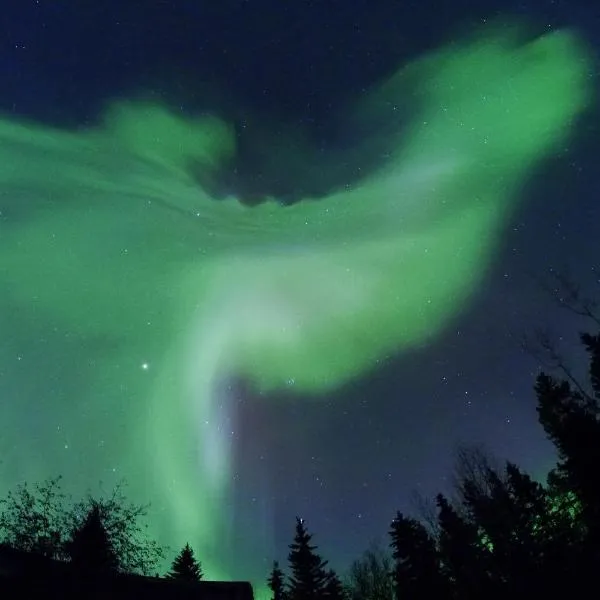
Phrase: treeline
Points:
(502, 534)
(95, 535)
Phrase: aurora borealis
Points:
(114, 253)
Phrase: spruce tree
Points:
(334, 589)
(463, 556)
(90, 548)
(185, 567)
(276, 583)
(571, 418)
(309, 577)
(569, 412)
(511, 515)
(416, 571)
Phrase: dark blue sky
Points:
(348, 464)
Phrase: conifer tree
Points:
(416, 571)
(90, 548)
(511, 516)
(309, 577)
(569, 412)
(334, 589)
(463, 556)
(571, 419)
(276, 582)
(185, 567)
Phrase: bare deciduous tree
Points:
(370, 576)
(42, 519)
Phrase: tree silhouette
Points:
(42, 519)
(569, 412)
(512, 516)
(127, 527)
(416, 571)
(571, 420)
(276, 582)
(463, 553)
(35, 519)
(334, 589)
(592, 345)
(371, 576)
(185, 567)
(309, 577)
(505, 534)
(476, 472)
(90, 548)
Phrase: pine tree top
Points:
(185, 567)
(309, 576)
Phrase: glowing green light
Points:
(109, 237)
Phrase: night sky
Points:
(285, 73)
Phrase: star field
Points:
(349, 459)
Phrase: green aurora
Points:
(113, 253)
